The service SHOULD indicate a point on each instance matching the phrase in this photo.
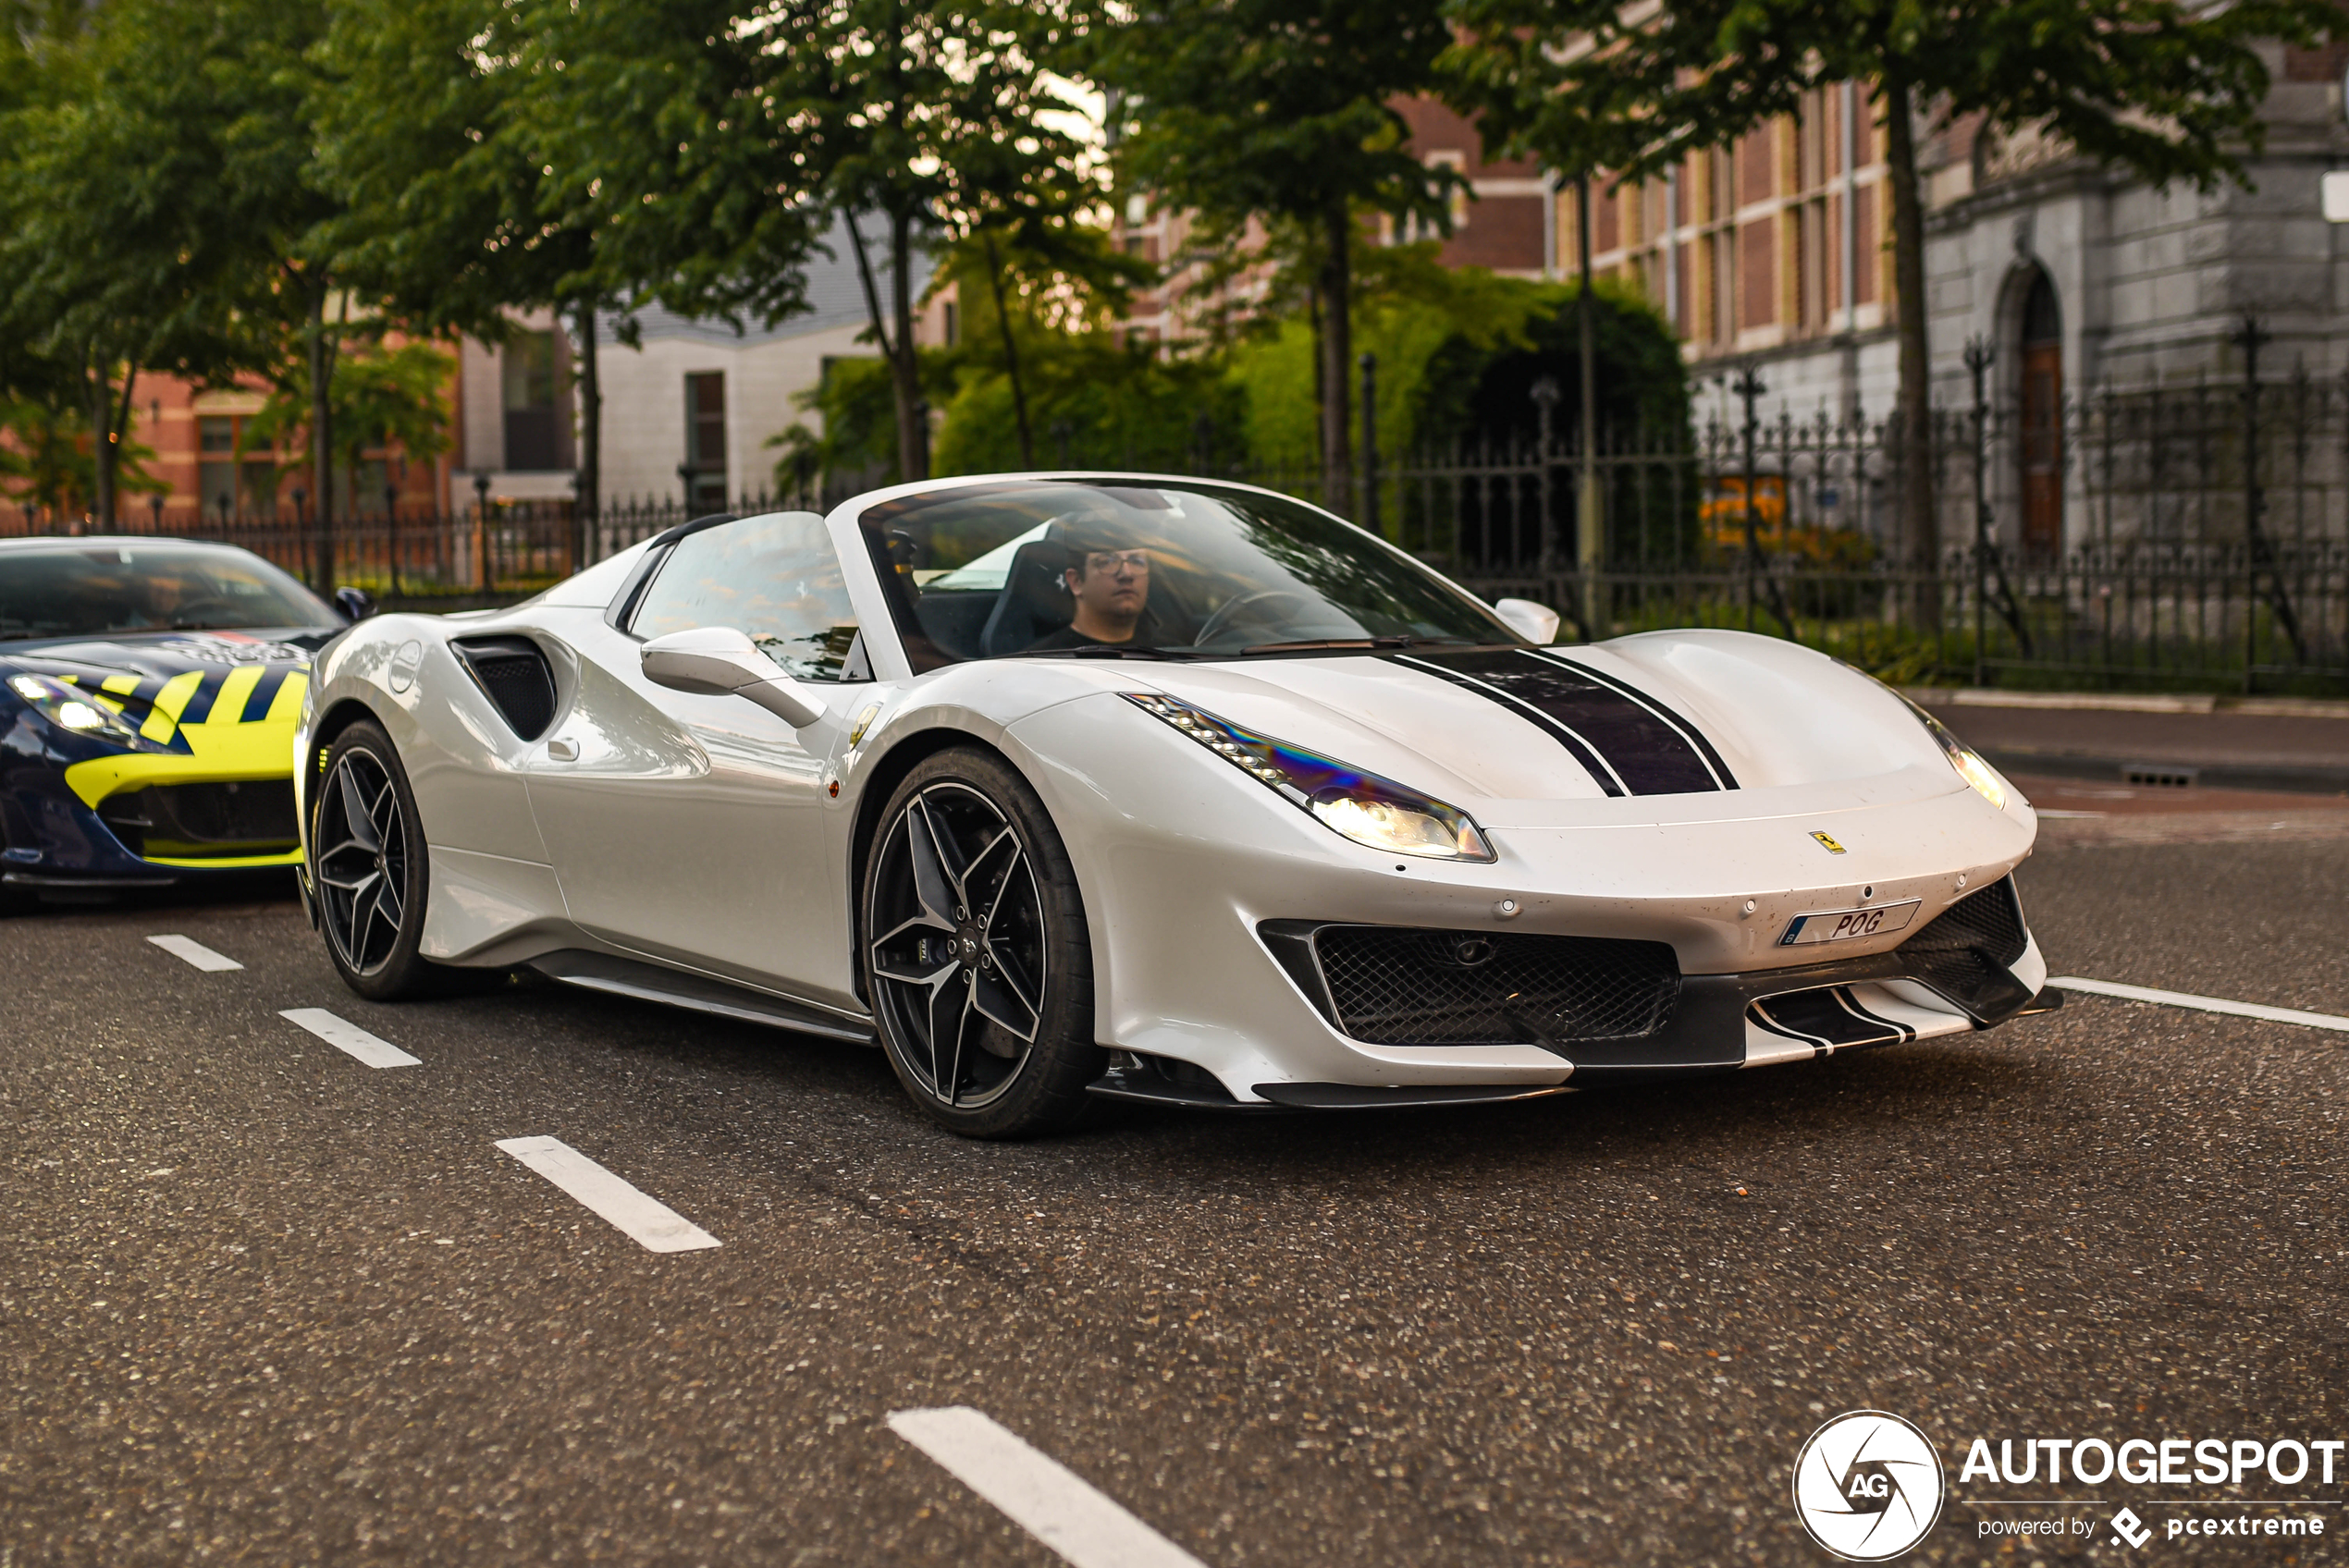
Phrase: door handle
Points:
(562, 751)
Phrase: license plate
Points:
(1842, 924)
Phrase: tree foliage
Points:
(1281, 111)
(116, 206)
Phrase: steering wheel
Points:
(1233, 610)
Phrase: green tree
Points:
(1029, 275)
(2169, 90)
(1280, 110)
(115, 208)
(391, 395)
(725, 139)
(438, 146)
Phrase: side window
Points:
(776, 578)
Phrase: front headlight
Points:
(82, 713)
(1970, 766)
(1376, 812)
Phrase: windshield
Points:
(85, 590)
(1167, 570)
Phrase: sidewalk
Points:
(2291, 744)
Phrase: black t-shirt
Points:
(1145, 636)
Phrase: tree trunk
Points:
(121, 432)
(591, 441)
(1337, 357)
(1320, 364)
(912, 417)
(322, 450)
(99, 399)
(1011, 356)
(1919, 534)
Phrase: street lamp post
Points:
(1978, 355)
(391, 526)
(1747, 388)
(481, 523)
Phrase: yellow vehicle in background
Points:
(1722, 516)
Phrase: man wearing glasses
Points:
(1110, 585)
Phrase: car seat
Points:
(1034, 602)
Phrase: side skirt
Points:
(652, 983)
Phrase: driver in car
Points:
(1110, 584)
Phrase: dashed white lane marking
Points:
(645, 1219)
(196, 953)
(1039, 1493)
(2201, 1004)
(349, 1038)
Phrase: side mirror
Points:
(718, 661)
(1535, 623)
(355, 603)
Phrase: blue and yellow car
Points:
(150, 690)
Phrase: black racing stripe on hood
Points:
(1581, 750)
(1629, 742)
(1714, 761)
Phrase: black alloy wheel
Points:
(976, 957)
(367, 867)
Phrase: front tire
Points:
(368, 868)
(975, 953)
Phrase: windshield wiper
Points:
(1107, 651)
(1310, 645)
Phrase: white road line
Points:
(349, 1038)
(196, 953)
(645, 1220)
(2201, 1004)
(1038, 1493)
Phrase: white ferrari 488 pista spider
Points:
(1155, 788)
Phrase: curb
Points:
(2313, 779)
(2130, 702)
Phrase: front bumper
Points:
(1184, 868)
(78, 813)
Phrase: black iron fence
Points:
(2183, 537)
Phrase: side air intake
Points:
(512, 671)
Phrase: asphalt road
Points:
(262, 1303)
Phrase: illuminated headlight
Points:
(68, 707)
(1387, 816)
(1971, 767)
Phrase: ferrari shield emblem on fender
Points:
(1826, 843)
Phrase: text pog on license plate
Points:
(1841, 925)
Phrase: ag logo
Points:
(1867, 1485)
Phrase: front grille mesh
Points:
(1966, 951)
(203, 820)
(1399, 986)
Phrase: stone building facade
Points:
(2082, 283)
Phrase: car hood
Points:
(1676, 726)
(205, 703)
(159, 656)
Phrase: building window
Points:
(705, 441)
(950, 319)
(533, 430)
(216, 463)
(227, 486)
